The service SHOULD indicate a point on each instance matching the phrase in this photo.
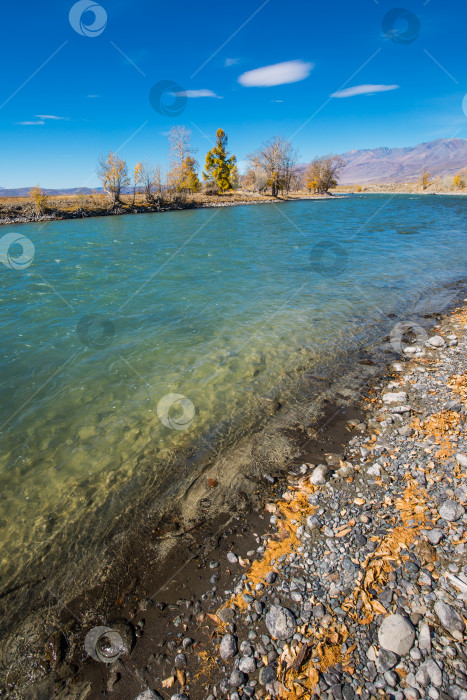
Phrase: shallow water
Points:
(128, 339)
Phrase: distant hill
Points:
(24, 191)
(378, 165)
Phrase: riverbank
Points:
(400, 188)
(351, 580)
(21, 210)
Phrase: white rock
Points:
(436, 341)
(319, 475)
(395, 397)
(434, 672)
(451, 511)
(397, 634)
(374, 470)
(450, 619)
(462, 459)
(247, 664)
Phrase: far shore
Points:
(19, 210)
(398, 188)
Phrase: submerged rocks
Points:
(450, 619)
(397, 634)
(280, 622)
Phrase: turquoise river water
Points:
(128, 333)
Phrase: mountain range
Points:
(374, 166)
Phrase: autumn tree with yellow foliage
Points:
(112, 171)
(189, 181)
(424, 179)
(39, 198)
(458, 182)
(322, 174)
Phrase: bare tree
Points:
(255, 180)
(278, 159)
(322, 173)
(180, 149)
(112, 171)
(151, 182)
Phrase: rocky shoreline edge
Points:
(352, 582)
(209, 203)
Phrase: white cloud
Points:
(364, 90)
(231, 62)
(197, 93)
(278, 101)
(278, 74)
(38, 123)
(49, 116)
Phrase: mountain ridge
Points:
(441, 157)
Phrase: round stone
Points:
(397, 634)
(280, 622)
(228, 647)
(451, 511)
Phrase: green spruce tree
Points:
(219, 166)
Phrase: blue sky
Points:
(68, 97)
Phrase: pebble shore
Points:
(358, 588)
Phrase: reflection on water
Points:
(131, 338)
